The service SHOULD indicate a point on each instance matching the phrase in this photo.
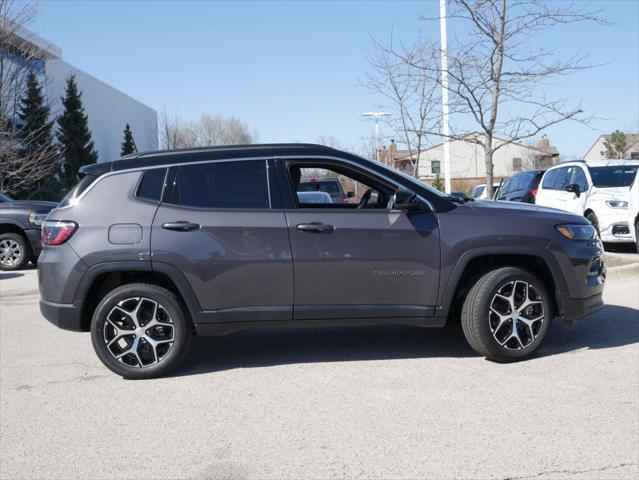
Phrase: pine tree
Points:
(34, 127)
(128, 146)
(37, 154)
(74, 134)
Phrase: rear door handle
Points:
(181, 226)
(316, 228)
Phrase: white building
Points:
(595, 151)
(467, 164)
(107, 109)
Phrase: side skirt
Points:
(226, 328)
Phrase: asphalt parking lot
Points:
(391, 402)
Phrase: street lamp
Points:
(376, 116)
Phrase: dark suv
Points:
(521, 187)
(154, 247)
(20, 222)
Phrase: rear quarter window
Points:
(76, 191)
(151, 184)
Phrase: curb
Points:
(624, 271)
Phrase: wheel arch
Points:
(475, 263)
(104, 277)
(12, 227)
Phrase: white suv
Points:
(599, 190)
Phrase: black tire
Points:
(478, 321)
(592, 218)
(129, 366)
(13, 241)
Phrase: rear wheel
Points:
(140, 331)
(14, 251)
(506, 314)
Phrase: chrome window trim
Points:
(167, 165)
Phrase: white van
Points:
(633, 211)
(599, 190)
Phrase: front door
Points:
(216, 224)
(359, 259)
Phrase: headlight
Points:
(37, 219)
(616, 204)
(577, 232)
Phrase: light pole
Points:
(376, 116)
(445, 126)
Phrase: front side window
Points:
(235, 184)
(613, 176)
(320, 186)
(549, 179)
(579, 178)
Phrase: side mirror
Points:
(350, 194)
(405, 199)
(573, 188)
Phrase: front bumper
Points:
(611, 224)
(34, 237)
(573, 309)
(67, 316)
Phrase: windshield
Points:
(4, 198)
(613, 176)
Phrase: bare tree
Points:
(497, 74)
(412, 97)
(22, 164)
(209, 130)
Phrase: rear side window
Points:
(237, 184)
(151, 185)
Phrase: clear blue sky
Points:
(292, 70)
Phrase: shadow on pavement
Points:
(7, 276)
(614, 326)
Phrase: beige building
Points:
(467, 160)
(632, 150)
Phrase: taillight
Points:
(344, 199)
(533, 192)
(56, 232)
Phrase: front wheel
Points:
(14, 251)
(506, 314)
(140, 331)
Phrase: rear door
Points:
(219, 226)
(552, 192)
(359, 259)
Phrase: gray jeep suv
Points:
(155, 247)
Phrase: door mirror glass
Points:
(405, 199)
(574, 188)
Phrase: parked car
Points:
(598, 190)
(151, 248)
(633, 210)
(20, 222)
(521, 187)
(314, 197)
(479, 192)
(332, 186)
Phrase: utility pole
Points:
(376, 116)
(445, 126)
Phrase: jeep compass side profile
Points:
(155, 247)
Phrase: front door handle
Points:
(316, 228)
(181, 226)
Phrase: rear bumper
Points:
(67, 316)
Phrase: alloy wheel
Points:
(139, 332)
(516, 315)
(10, 252)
